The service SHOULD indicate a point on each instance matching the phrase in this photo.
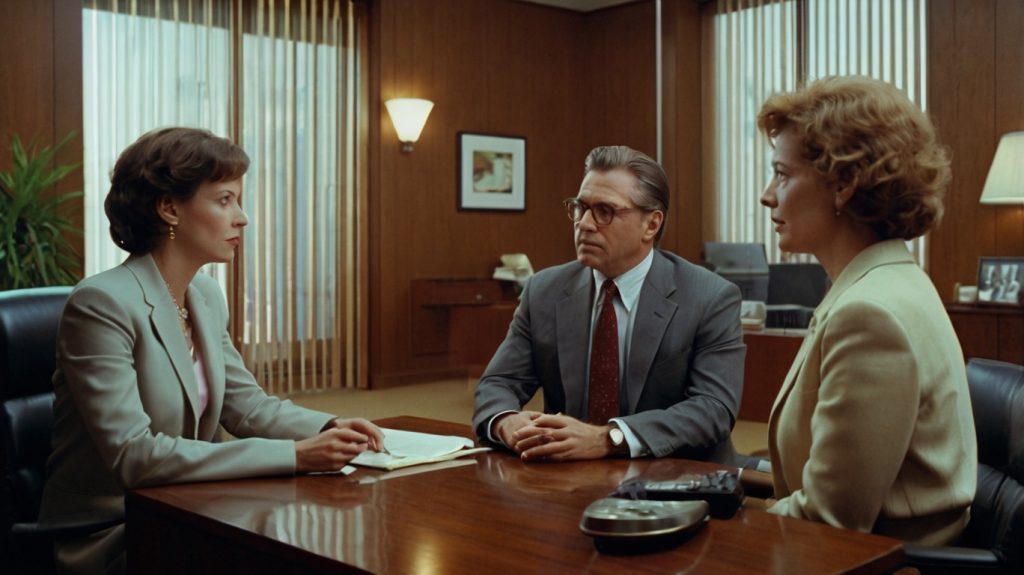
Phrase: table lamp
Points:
(1005, 182)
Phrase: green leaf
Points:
(34, 248)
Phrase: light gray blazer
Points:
(685, 373)
(126, 409)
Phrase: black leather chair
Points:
(994, 539)
(28, 336)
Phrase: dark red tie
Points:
(603, 403)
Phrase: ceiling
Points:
(581, 5)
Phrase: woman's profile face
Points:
(803, 209)
(210, 222)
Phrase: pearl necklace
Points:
(182, 312)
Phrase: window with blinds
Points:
(279, 78)
(759, 47)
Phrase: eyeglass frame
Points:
(570, 202)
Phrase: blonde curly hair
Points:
(864, 133)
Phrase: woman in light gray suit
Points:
(146, 371)
(872, 429)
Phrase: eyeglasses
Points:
(603, 213)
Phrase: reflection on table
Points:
(492, 513)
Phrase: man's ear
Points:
(657, 218)
(167, 210)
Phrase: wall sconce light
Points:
(409, 115)
(1005, 182)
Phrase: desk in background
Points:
(770, 353)
(464, 317)
(989, 331)
(494, 515)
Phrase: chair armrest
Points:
(930, 559)
(70, 526)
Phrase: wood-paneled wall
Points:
(563, 80)
(41, 84)
(975, 94)
(567, 82)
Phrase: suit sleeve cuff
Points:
(636, 446)
(490, 426)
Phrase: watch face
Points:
(616, 436)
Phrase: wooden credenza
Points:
(770, 353)
(991, 332)
(466, 318)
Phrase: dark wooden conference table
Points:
(489, 513)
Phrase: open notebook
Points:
(413, 448)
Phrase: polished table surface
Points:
(489, 513)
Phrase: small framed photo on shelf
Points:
(999, 280)
(492, 172)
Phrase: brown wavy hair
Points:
(866, 134)
(169, 162)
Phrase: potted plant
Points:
(34, 250)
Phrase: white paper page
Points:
(411, 448)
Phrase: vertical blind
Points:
(278, 77)
(759, 47)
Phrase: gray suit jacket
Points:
(685, 374)
(126, 409)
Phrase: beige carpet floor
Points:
(452, 400)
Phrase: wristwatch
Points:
(617, 440)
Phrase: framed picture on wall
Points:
(999, 280)
(492, 172)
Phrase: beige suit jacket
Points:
(872, 429)
(126, 410)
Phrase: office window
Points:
(279, 78)
(760, 47)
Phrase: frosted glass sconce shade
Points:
(409, 115)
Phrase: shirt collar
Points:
(629, 283)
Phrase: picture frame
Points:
(491, 172)
(1000, 280)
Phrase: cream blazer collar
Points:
(883, 253)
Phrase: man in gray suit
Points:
(660, 375)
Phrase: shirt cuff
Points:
(636, 447)
(490, 425)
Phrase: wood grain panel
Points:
(769, 357)
(681, 125)
(976, 92)
(1009, 112)
(41, 85)
(987, 331)
(492, 67)
(67, 105)
(26, 87)
(619, 79)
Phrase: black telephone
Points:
(721, 489)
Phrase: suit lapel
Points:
(572, 323)
(163, 318)
(206, 336)
(794, 368)
(653, 313)
(881, 253)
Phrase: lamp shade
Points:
(1005, 182)
(409, 115)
